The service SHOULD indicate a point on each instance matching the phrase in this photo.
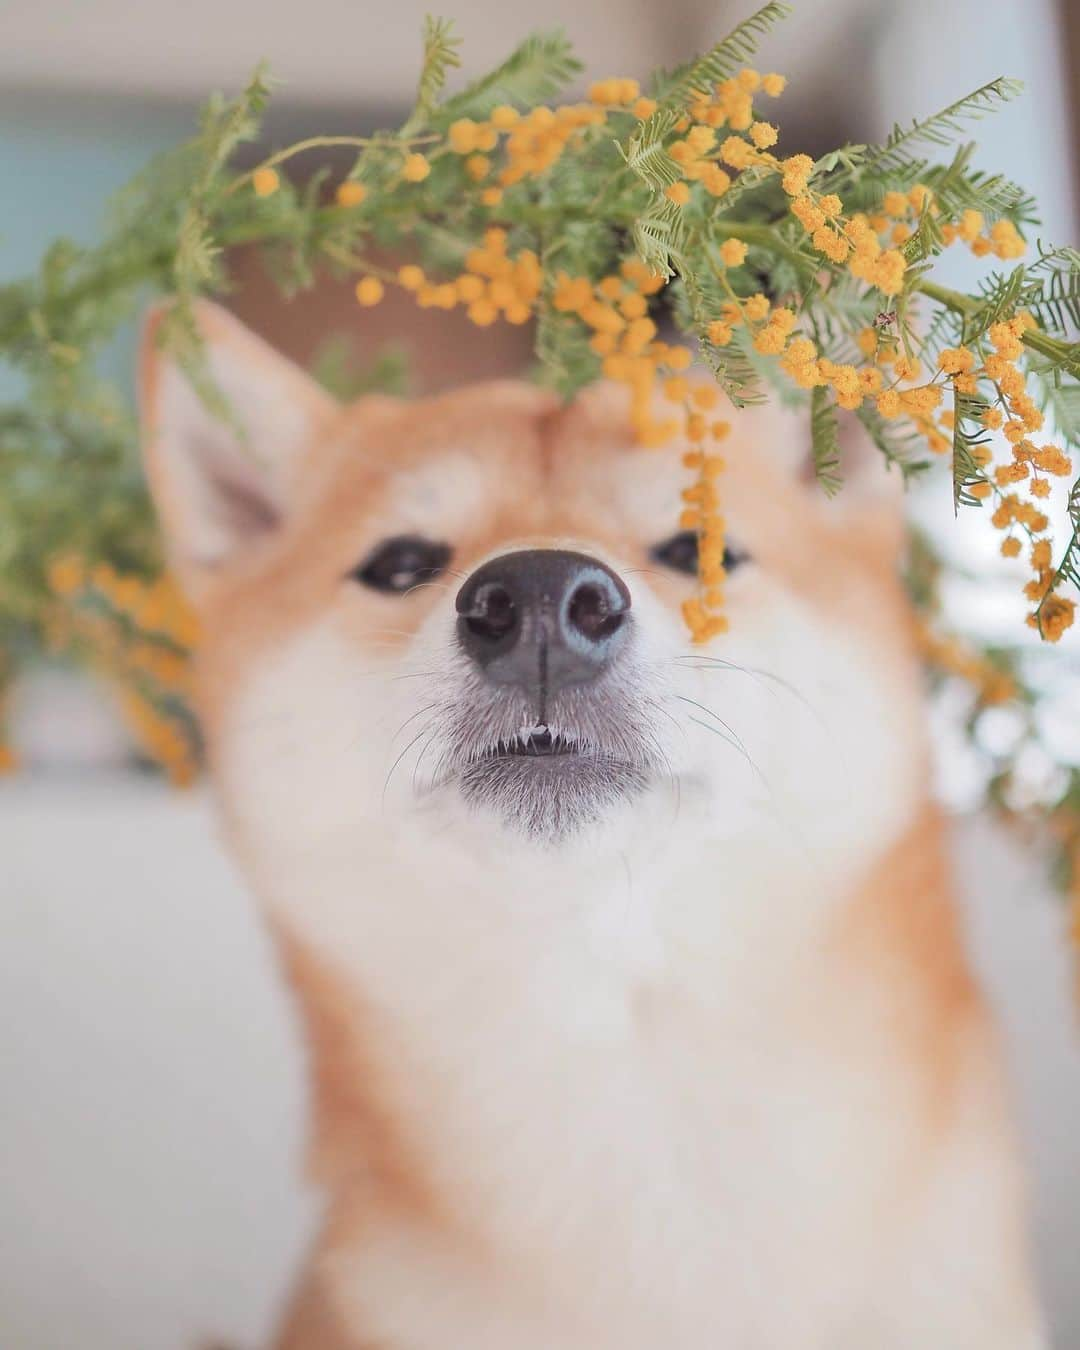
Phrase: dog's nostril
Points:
(594, 612)
(492, 613)
(543, 619)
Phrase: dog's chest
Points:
(619, 1105)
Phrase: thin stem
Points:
(356, 261)
(322, 143)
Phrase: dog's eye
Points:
(398, 564)
(680, 553)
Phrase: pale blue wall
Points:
(61, 158)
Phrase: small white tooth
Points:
(526, 732)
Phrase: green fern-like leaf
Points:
(957, 187)
(1068, 568)
(441, 55)
(659, 236)
(196, 255)
(224, 125)
(825, 440)
(179, 334)
(723, 60)
(1057, 304)
(897, 440)
(1048, 289)
(968, 433)
(342, 372)
(735, 371)
(534, 72)
(843, 310)
(646, 153)
(1059, 397)
(562, 348)
(943, 127)
(925, 240)
(1000, 294)
(698, 301)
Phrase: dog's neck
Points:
(536, 1027)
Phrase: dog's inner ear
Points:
(244, 508)
(222, 483)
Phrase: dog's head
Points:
(460, 616)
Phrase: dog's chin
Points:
(547, 786)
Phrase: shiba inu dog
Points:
(637, 1012)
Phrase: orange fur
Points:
(359, 1140)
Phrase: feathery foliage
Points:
(942, 128)
(631, 231)
(538, 69)
(724, 59)
(441, 55)
(825, 440)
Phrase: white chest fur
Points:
(622, 1091)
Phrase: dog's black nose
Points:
(543, 618)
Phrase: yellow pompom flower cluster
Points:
(1014, 413)
(415, 168)
(615, 309)
(497, 201)
(611, 93)
(701, 155)
(493, 284)
(899, 212)
(774, 333)
(732, 103)
(949, 654)
(265, 182)
(138, 635)
(851, 241)
(622, 93)
(538, 140)
(1002, 239)
(704, 158)
(1057, 614)
(369, 291)
(350, 193)
(703, 613)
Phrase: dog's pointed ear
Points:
(221, 484)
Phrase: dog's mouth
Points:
(538, 742)
(549, 782)
(551, 770)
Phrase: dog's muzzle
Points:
(547, 730)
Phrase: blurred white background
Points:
(152, 1102)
